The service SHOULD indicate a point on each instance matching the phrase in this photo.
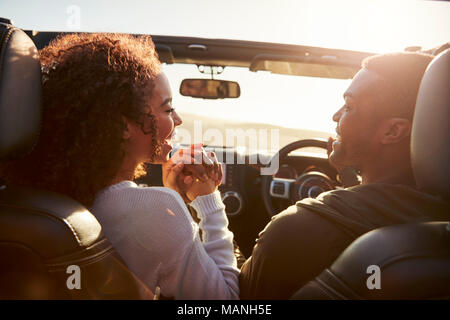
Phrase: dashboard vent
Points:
(278, 188)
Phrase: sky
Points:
(376, 26)
(366, 25)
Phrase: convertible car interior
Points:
(252, 198)
(43, 233)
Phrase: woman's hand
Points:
(203, 187)
(197, 167)
(170, 174)
(200, 188)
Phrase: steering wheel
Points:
(309, 184)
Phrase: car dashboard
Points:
(241, 188)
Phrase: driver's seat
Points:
(51, 247)
(413, 259)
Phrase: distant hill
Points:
(286, 135)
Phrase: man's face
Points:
(357, 122)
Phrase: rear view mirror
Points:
(210, 88)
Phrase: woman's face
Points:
(166, 119)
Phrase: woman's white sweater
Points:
(153, 231)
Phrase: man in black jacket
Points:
(373, 136)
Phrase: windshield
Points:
(297, 107)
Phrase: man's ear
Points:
(395, 130)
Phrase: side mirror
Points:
(210, 88)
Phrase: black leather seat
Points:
(414, 259)
(43, 233)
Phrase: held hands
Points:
(192, 172)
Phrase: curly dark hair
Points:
(90, 83)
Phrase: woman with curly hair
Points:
(107, 110)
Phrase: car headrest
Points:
(430, 138)
(20, 92)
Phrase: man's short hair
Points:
(401, 74)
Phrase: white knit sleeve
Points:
(217, 238)
(188, 268)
